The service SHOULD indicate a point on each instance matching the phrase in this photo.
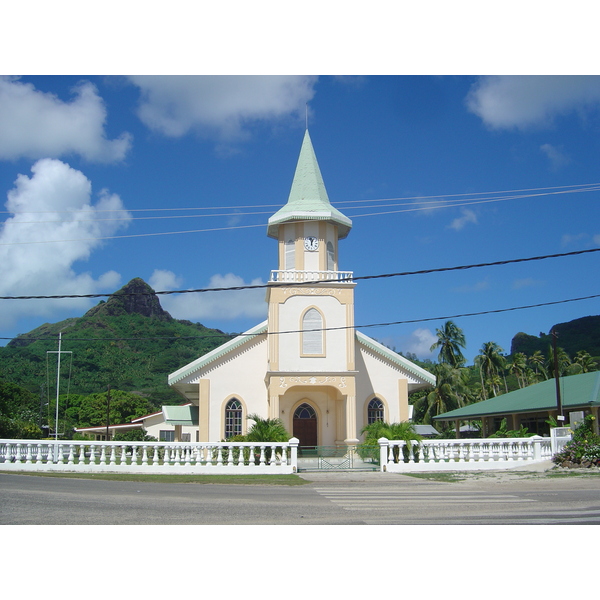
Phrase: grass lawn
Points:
(221, 479)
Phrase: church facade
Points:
(306, 364)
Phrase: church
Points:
(306, 364)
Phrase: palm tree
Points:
(392, 431)
(519, 368)
(584, 359)
(538, 360)
(563, 362)
(450, 340)
(266, 430)
(491, 364)
(449, 393)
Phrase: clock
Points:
(311, 243)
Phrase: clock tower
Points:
(311, 339)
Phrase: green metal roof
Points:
(308, 200)
(181, 415)
(575, 391)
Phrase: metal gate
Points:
(334, 458)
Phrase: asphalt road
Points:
(328, 499)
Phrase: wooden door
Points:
(305, 425)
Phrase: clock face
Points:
(311, 243)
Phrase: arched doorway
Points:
(305, 425)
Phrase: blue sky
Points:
(223, 151)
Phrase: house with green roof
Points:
(306, 364)
(534, 405)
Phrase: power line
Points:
(309, 283)
(384, 324)
(424, 203)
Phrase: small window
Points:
(186, 437)
(166, 436)
(375, 411)
(305, 411)
(330, 257)
(312, 332)
(233, 418)
(290, 255)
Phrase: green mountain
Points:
(128, 342)
(580, 334)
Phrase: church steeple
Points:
(308, 200)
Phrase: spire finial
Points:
(306, 115)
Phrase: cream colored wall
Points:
(334, 315)
(241, 375)
(377, 378)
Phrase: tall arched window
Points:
(312, 332)
(330, 257)
(233, 418)
(290, 255)
(375, 411)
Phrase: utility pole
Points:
(58, 379)
(560, 417)
(107, 412)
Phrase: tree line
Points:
(491, 375)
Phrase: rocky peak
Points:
(136, 297)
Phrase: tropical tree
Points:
(518, 368)
(266, 430)
(563, 362)
(450, 391)
(585, 360)
(404, 431)
(450, 341)
(538, 361)
(491, 365)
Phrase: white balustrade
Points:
(292, 276)
(456, 455)
(148, 457)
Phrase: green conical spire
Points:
(308, 200)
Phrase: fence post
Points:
(537, 447)
(294, 454)
(384, 445)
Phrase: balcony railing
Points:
(293, 276)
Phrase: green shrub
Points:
(584, 448)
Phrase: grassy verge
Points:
(454, 476)
(220, 479)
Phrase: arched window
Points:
(312, 332)
(305, 411)
(233, 418)
(290, 255)
(375, 411)
(330, 257)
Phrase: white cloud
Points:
(479, 286)
(228, 305)
(468, 216)
(568, 238)
(34, 124)
(525, 283)
(557, 157)
(221, 106)
(420, 343)
(163, 281)
(53, 204)
(507, 101)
